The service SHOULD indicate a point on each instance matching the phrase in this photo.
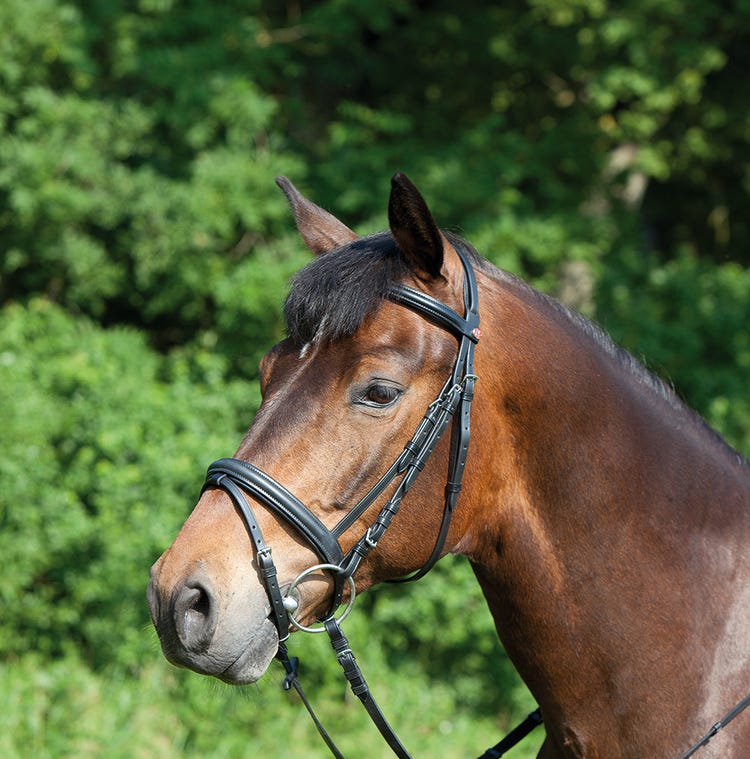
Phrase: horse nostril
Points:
(195, 614)
(202, 605)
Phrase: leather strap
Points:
(417, 451)
(274, 495)
(361, 690)
(265, 561)
(515, 736)
(291, 665)
(436, 311)
(735, 711)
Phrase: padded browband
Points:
(438, 312)
(283, 502)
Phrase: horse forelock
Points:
(333, 294)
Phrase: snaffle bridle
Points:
(239, 479)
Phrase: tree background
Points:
(601, 150)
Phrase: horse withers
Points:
(608, 526)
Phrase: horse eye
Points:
(381, 395)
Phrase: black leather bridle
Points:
(240, 479)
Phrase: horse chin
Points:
(254, 659)
(238, 657)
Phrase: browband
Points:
(436, 311)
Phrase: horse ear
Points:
(414, 229)
(320, 230)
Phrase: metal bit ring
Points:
(306, 573)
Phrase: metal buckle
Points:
(349, 605)
(368, 539)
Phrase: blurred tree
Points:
(106, 440)
(136, 167)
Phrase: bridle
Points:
(454, 401)
(239, 478)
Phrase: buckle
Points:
(368, 539)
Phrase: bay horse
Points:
(607, 524)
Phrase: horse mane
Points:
(331, 296)
(601, 338)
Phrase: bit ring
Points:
(309, 571)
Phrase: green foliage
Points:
(134, 177)
(60, 708)
(689, 319)
(105, 436)
(144, 251)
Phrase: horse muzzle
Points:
(222, 635)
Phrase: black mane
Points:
(333, 294)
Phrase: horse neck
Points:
(598, 495)
(581, 431)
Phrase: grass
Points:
(60, 709)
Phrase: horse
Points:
(606, 523)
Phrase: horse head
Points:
(341, 395)
(606, 523)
